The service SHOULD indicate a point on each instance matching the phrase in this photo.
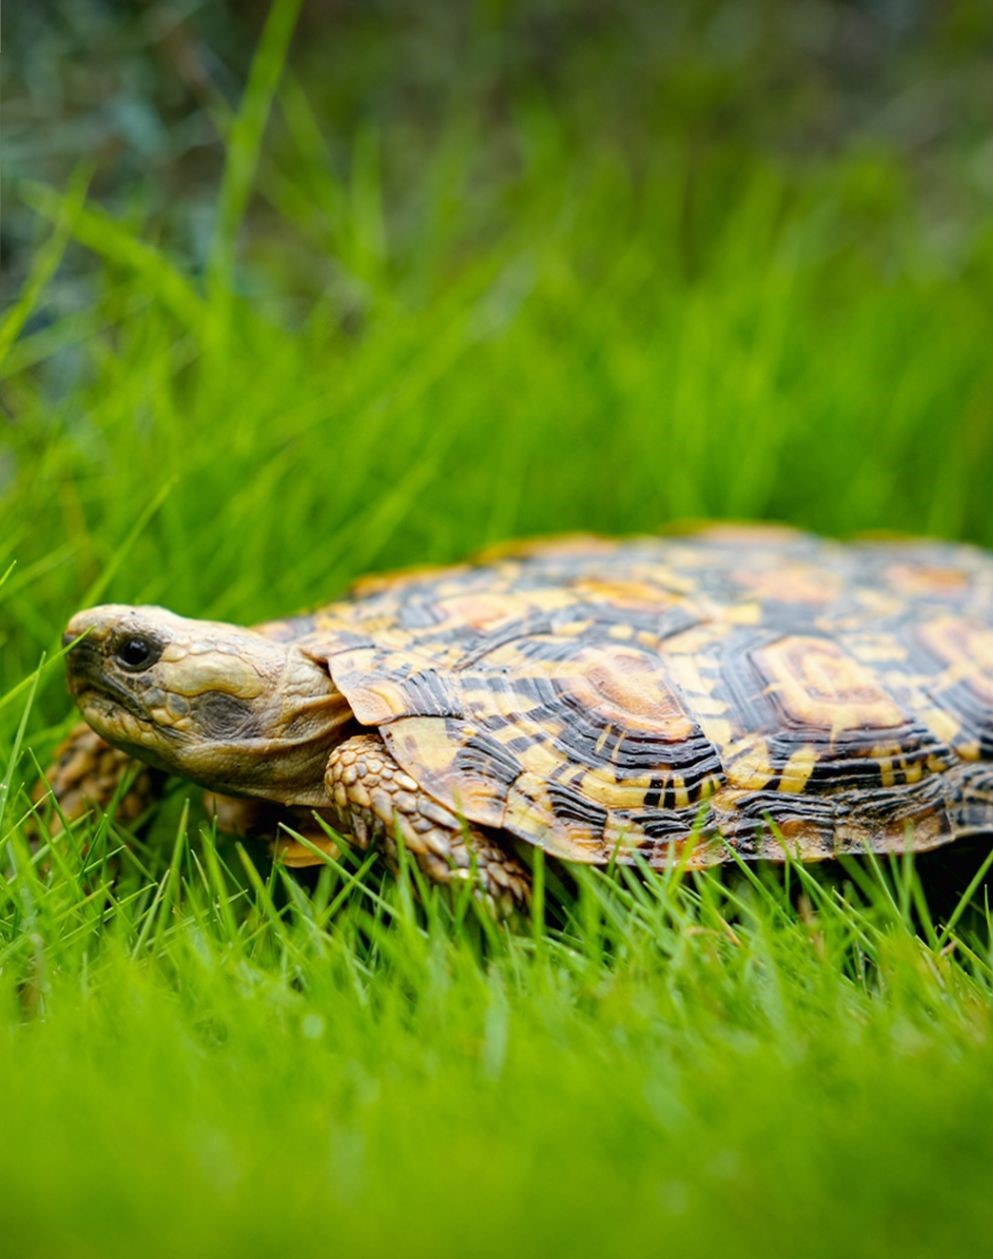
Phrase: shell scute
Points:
(678, 698)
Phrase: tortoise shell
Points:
(748, 690)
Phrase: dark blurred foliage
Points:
(140, 90)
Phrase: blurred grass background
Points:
(293, 293)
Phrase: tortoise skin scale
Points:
(742, 690)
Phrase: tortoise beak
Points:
(83, 639)
(83, 666)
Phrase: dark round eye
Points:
(137, 653)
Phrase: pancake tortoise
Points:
(743, 692)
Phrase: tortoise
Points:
(736, 692)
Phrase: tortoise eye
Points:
(136, 653)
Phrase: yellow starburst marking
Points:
(944, 725)
(887, 757)
(798, 769)
(718, 730)
(749, 765)
(744, 614)
(679, 792)
(967, 650)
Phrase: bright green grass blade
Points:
(98, 231)
(244, 140)
(45, 264)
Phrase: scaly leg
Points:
(87, 773)
(376, 802)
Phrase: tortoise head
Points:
(221, 705)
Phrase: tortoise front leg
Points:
(87, 773)
(377, 802)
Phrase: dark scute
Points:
(485, 758)
(431, 694)
(570, 805)
(673, 823)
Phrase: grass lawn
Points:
(537, 311)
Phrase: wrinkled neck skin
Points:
(220, 705)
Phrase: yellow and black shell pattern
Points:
(741, 689)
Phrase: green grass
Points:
(547, 329)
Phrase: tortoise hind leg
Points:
(377, 802)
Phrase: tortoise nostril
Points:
(83, 658)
